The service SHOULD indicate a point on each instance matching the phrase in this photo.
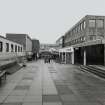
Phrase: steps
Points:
(94, 69)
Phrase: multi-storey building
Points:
(10, 50)
(60, 42)
(87, 38)
(22, 39)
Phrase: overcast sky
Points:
(45, 20)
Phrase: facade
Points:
(35, 46)
(23, 39)
(60, 42)
(47, 47)
(10, 49)
(87, 38)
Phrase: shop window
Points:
(1, 46)
(84, 24)
(92, 23)
(7, 47)
(100, 23)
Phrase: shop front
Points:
(66, 55)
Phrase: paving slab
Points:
(52, 84)
(82, 103)
(34, 99)
(12, 104)
(52, 103)
(30, 103)
(2, 98)
(18, 93)
(51, 98)
(14, 99)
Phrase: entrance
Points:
(69, 59)
(78, 55)
(95, 54)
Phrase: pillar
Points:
(72, 57)
(65, 57)
(62, 56)
(84, 61)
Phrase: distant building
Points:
(10, 50)
(60, 42)
(47, 47)
(35, 46)
(23, 39)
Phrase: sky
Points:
(45, 20)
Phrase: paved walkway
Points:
(52, 84)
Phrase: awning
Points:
(66, 49)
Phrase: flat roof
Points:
(9, 40)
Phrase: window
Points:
(76, 29)
(7, 47)
(21, 49)
(15, 48)
(1, 46)
(18, 48)
(84, 25)
(12, 48)
(100, 23)
(84, 38)
(81, 26)
(92, 23)
(92, 37)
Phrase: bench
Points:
(2, 75)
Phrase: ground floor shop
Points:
(87, 53)
(66, 55)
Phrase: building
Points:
(87, 38)
(35, 46)
(22, 39)
(60, 42)
(10, 50)
(47, 47)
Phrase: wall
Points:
(35, 45)
(28, 44)
(19, 38)
(8, 55)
